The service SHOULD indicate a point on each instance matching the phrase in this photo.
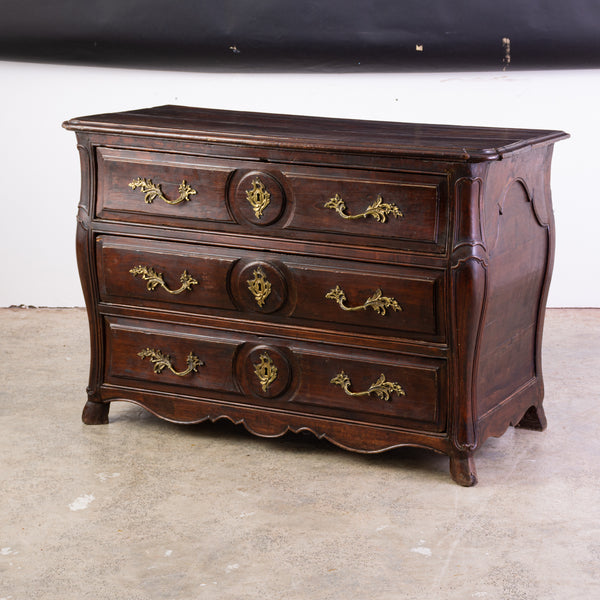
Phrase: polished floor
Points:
(143, 509)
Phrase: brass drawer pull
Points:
(378, 302)
(378, 210)
(152, 191)
(381, 388)
(155, 279)
(162, 361)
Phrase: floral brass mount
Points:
(162, 361)
(378, 302)
(155, 279)
(378, 210)
(152, 191)
(381, 388)
(259, 286)
(258, 197)
(266, 371)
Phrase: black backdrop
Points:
(304, 35)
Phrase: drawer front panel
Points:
(133, 270)
(380, 388)
(162, 357)
(406, 211)
(382, 209)
(148, 187)
(375, 300)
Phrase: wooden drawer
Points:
(174, 356)
(371, 299)
(291, 376)
(397, 210)
(383, 209)
(185, 276)
(150, 187)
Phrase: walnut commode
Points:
(378, 284)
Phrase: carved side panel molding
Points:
(83, 208)
(468, 283)
(84, 244)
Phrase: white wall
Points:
(39, 165)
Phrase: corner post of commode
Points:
(95, 412)
(468, 283)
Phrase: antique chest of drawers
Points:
(377, 284)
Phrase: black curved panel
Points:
(305, 35)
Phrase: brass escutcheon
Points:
(266, 371)
(258, 197)
(259, 286)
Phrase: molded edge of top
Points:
(286, 133)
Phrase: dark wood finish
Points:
(299, 286)
(261, 130)
(297, 194)
(117, 168)
(413, 194)
(456, 360)
(303, 383)
(95, 413)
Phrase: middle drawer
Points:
(401, 302)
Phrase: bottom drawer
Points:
(317, 379)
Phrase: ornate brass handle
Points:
(162, 361)
(155, 279)
(378, 302)
(381, 388)
(152, 191)
(378, 210)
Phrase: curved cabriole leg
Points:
(95, 413)
(462, 469)
(534, 419)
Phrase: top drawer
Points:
(153, 187)
(400, 210)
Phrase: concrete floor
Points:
(143, 509)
